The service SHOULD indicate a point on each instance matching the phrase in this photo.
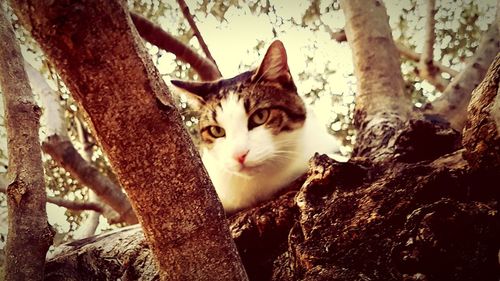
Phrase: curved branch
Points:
(63, 152)
(185, 11)
(158, 37)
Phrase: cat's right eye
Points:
(216, 132)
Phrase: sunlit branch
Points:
(185, 11)
(155, 35)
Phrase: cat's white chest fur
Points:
(274, 160)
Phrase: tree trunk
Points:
(482, 132)
(111, 76)
(382, 105)
(29, 233)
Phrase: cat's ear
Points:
(196, 92)
(274, 66)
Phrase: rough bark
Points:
(160, 38)
(111, 76)
(482, 133)
(29, 233)
(427, 218)
(382, 106)
(452, 104)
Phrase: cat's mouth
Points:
(248, 170)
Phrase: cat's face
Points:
(248, 123)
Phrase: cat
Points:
(257, 135)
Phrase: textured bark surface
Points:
(29, 234)
(428, 217)
(482, 132)
(111, 76)
(381, 103)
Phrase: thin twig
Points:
(430, 37)
(185, 11)
(427, 69)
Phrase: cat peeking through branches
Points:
(257, 134)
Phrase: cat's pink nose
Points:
(241, 156)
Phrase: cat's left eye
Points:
(216, 132)
(259, 117)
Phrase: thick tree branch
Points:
(187, 14)
(29, 234)
(381, 102)
(112, 78)
(481, 136)
(452, 104)
(158, 37)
